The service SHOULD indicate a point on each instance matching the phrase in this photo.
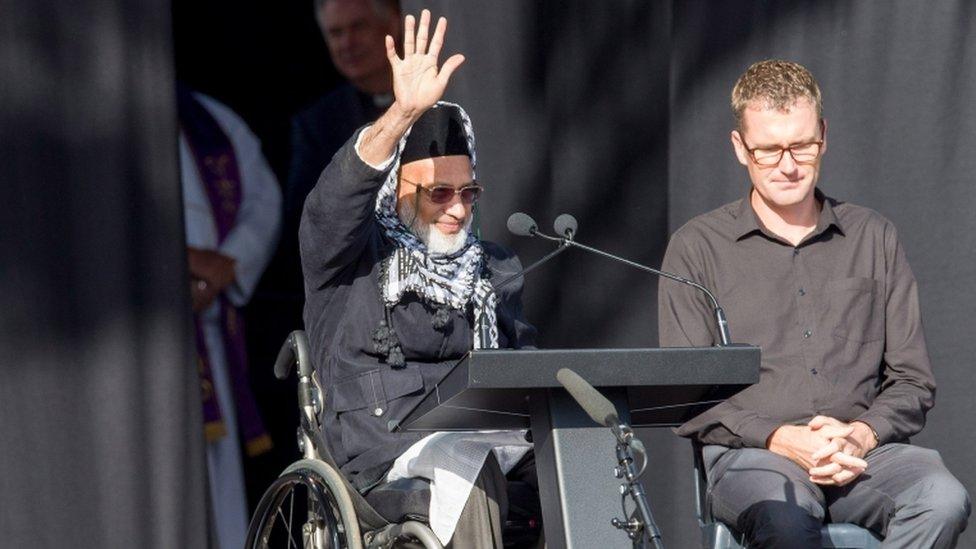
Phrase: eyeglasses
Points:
(442, 194)
(802, 153)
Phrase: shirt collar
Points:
(747, 222)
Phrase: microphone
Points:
(566, 225)
(600, 410)
(522, 224)
(598, 407)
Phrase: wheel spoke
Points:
(291, 508)
(321, 525)
(287, 521)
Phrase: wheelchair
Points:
(311, 504)
(716, 535)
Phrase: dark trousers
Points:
(481, 522)
(492, 498)
(906, 494)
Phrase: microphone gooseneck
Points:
(567, 222)
(566, 228)
(723, 324)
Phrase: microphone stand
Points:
(641, 528)
(563, 246)
(523, 225)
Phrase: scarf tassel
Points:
(386, 343)
(441, 317)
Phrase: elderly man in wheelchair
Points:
(398, 288)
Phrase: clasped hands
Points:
(830, 450)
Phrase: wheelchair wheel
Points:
(307, 507)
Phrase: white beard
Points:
(436, 241)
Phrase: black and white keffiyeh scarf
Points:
(444, 280)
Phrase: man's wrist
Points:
(868, 434)
(379, 166)
(380, 140)
(776, 437)
(403, 114)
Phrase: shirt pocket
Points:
(855, 309)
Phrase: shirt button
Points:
(803, 292)
(796, 251)
(807, 334)
(813, 371)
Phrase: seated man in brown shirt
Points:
(824, 288)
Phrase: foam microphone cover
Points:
(593, 403)
(521, 224)
(565, 225)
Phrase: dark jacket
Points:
(342, 248)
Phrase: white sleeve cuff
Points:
(382, 166)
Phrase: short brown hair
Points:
(777, 84)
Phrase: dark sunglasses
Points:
(442, 194)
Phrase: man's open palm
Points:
(417, 82)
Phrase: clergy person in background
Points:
(232, 211)
(354, 32)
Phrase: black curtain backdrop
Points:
(100, 424)
(618, 112)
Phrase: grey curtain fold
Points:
(99, 399)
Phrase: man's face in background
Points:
(355, 32)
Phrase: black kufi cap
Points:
(438, 132)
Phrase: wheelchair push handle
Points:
(294, 350)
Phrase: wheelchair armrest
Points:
(294, 350)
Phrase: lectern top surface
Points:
(610, 367)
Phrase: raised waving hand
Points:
(418, 83)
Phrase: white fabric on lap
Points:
(451, 462)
